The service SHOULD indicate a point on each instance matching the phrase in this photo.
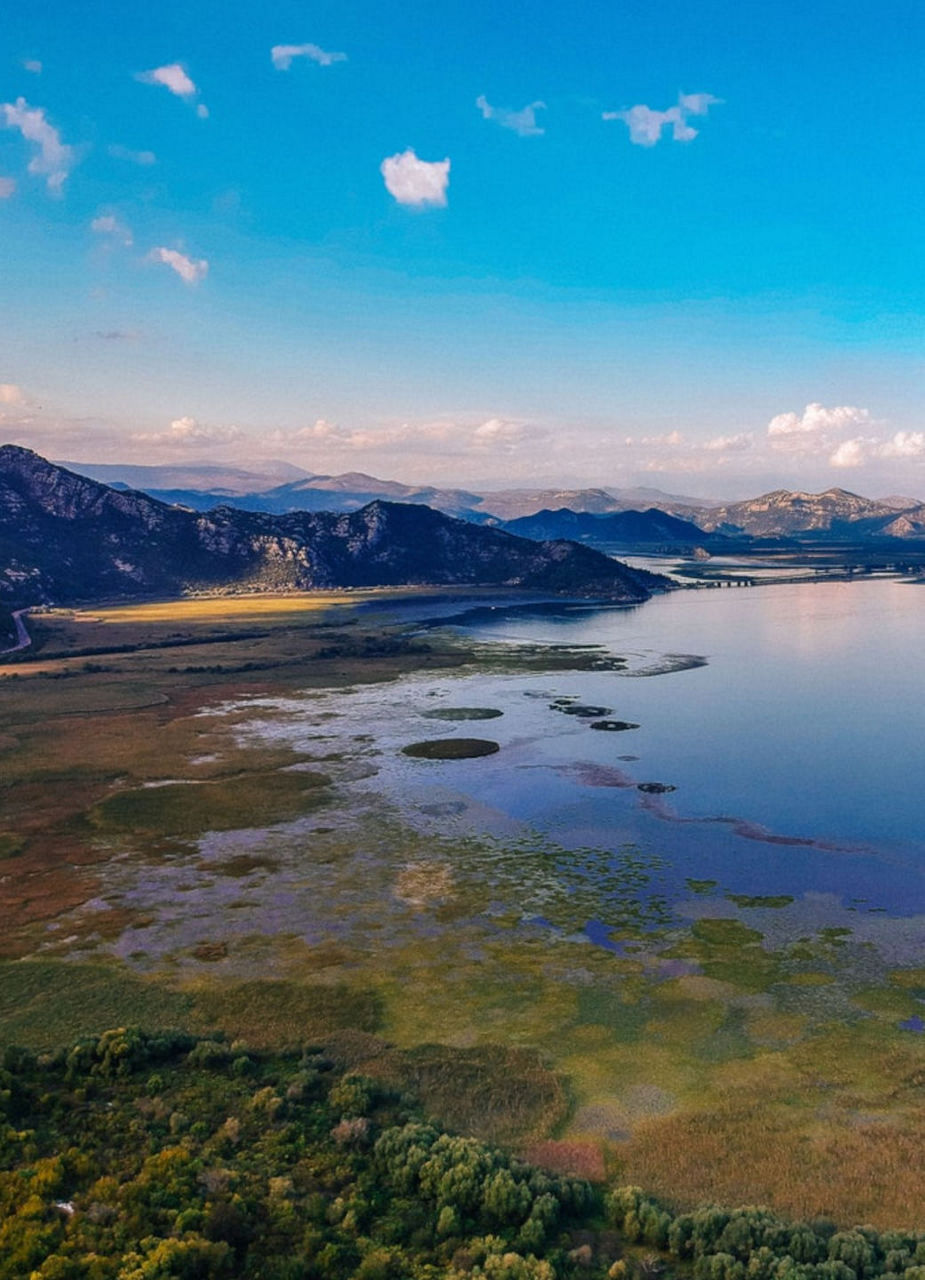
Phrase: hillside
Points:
(782, 513)
(642, 528)
(64, 537)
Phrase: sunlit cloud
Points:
(850, 453)
(646, 125)
(861, 450)
(522, 122)
(190, 270)
(10, 393)
(53, 159)
(107, 224)
(419, 183)
(904, 444)
(188, 432)
(283, 55)
(176, 80)
(143, 158)
(817, 418)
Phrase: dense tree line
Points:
(137, 1157)
(754, 1244)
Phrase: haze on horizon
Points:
(459, 245)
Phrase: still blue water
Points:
(808, 717)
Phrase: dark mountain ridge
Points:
(64, 537)
(651, 528)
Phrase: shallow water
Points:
(794, 746)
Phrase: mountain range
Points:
(65, 537)
(835, 514)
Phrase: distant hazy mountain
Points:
(836, 513)
(783, 513)
(209, 478)
(637, 528)
(64, 537)
(206, 486)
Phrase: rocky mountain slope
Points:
(64, 537)
(783, 513)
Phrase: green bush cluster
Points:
(137, 1157)
(754, 1244)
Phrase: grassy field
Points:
(164, 862)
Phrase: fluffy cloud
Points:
(445, 437)
(416, 182)
(53, 159)
(904, 444)
(816, 418)
(646, 125)
(190, 270)
(522, 122)
(174, 78)
(283, 55)
(11, 394)
(33, 65)
(850, 453)
(863, 449)
(107, 224)
(189, 433)
(143, 158)
(7, 188)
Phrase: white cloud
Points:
(522, 122)
(143, 158)
(175, 79)
(188, 432)
(416, 182)
(442, 438)
(190, 270)
(283, 55)
(54, 158)
(33, 65)
(729, 444)
(646, 125)
(107, 224)
(7, 188)
(904, 444)
(850, 453)
(670, 438)
(817, 418)
(11, 394)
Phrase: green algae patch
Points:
(701, 886)
(463, 713)
(729, 950)
(227, 804)
(451, 749)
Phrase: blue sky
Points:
(698, 264)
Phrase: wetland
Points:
(685, 953)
